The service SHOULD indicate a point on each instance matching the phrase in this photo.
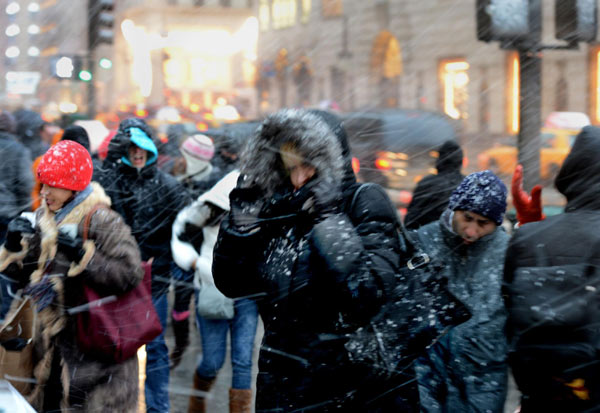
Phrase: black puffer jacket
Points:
(560, 240)
(148, 200)
(311, 277)
(432, 193)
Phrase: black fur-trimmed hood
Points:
(261, 163)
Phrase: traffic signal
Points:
(576, 20)
(509, 21)
(100, 22)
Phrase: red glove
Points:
(529, 208)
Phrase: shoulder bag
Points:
(415, 315)
(115, 327)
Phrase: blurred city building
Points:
(133, 56)
(356, 54)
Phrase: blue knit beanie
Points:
(482, 193)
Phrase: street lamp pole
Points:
(530, 103)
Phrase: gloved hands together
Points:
(71, 247)
(181, 330)
(322, 199)
(15, 230)
(529, 207)
(245, 204)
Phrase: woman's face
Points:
(137, 156)
(55, 197)
(300, 172)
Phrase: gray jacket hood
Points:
(261, 163)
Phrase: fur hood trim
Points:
(261, 163)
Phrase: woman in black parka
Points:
(317, 263)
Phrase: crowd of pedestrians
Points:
(266, 221)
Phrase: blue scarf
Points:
(77, 199)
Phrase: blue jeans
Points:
(214, 344)
(157, 364)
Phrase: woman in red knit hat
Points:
(48, 257)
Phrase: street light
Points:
(12, 30)
(33, 29)
(12, 8)
(105, 63)
(33, 7)
(33, 51)
(64, 67)
(12, 51)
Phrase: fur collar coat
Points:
(67, 379)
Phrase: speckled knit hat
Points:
(66, 165)
(482, 193)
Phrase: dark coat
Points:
(560, 240)
(466, 370)
(431, 195)
(66, 378)
(16, 179)
(29, 124)
(149, 201)
(311, 276)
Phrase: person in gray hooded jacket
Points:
(466, 370)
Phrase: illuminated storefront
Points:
(454, 80)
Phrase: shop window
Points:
(513, 84)
(332, 8)
(283, 13)
(454, 80)
(386, 67)
(306, 8)
(264, 14)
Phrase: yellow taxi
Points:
(557, 138)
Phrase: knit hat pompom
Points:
(66, 165)
(482, 193)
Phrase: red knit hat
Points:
(66, 165)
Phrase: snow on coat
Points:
(310, 275)
(111, 263)
(470, 361)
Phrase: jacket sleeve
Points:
(236, 260)
(361, 251)
(23, 184)
(115, 266)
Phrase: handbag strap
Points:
(88, 218)
(413, 248)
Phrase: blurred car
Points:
(556, 145)
(557, 135)
(396, 148)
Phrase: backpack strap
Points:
(88, 218)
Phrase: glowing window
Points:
(264, 14)
(512, 93)
(283, 13)
(306, 7)
(594, 81)
(332, 8)
(455, 79)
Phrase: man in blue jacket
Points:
(466, 371)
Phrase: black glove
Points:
(181, 330)
(323, 199)
(15, 230)
(246, 204)
(71, 247)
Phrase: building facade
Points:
(356, 54)
(185, 53)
